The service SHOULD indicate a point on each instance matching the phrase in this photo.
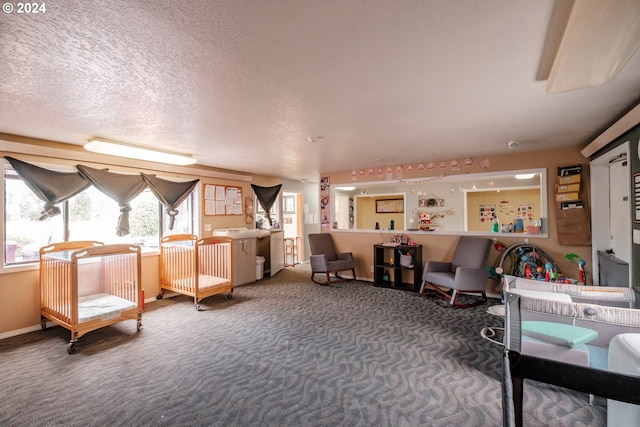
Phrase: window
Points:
(90, 215)
(261, 215)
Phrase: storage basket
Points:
(406, 261)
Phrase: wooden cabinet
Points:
(244, 260)
(398, 267)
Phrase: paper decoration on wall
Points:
(409, 168)
(371, 171)
(324, 202)
(454, 165)
(467, 162)
(484, 164)
(361, 172)
(525, 211)
(420, 166)
(222, 200)
(443, 165)
(487, 213)
(399, 172)
(431, 166)
(354, 173)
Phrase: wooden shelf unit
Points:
(399, 276)
(573, 221)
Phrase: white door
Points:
(277, 252)
(620, 223)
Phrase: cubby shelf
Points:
(407, 278)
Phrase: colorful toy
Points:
(581, 272)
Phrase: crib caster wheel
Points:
(198, 307)
(72, 347)
(159, 296)
(139, 325)
(43, 324)
(229, 296)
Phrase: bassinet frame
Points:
(119, 279)
(196, 267)
(607, 320)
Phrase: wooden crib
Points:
(196, 267)
(85, 285)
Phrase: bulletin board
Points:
(222, 200)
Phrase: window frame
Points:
(192, 199)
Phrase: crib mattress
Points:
(204, 281)
(102, 306)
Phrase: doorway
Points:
(611, 216)
(292, 227)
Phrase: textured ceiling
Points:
(241, 85)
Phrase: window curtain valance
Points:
(266, 197)
(121, 188)
(54, 187)
(170, 193)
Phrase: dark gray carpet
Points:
(282, 352)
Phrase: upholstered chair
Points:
(326, 260)
(466, 273)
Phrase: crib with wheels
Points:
(196, 267)
(86, 285)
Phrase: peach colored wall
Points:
(440, 247)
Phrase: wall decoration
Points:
(443, 165)
(222, 200)
(487, 213)
(289, 204)
(431, 166)
(429, 200)
(325, 206)
(525, 212)
(467, 162)
(420, 166)
(248, 210)
(390, 206)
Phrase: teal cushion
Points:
(558, 333)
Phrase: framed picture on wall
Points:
(390, 206)
(289, 204)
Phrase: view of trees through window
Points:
(90, 215)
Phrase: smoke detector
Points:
(512, 144)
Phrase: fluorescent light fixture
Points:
(599, 38)
(525, 175)
(103, 146)
(346, 188)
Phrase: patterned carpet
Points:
(282, 352)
